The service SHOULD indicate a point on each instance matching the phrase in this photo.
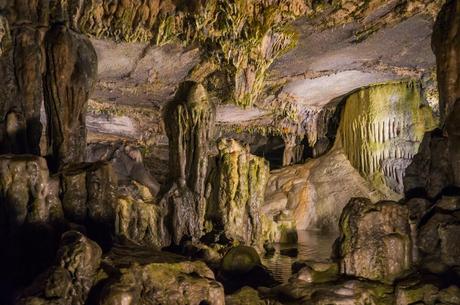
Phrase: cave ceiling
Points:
(338, 47)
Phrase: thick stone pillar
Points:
(238, 188)
(71, 63)
(21, 67)
(189, 122)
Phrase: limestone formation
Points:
(70, 75)
(21, 66)
(381, 129)
(27, 194)
(189, 124)
(437, 236)
(375, 240)
(71, 278)
(142, 222)
(127, 163)
(238, 187)
(89, 192)
(445, 44)
(316, 192)
(141, 277)
(429, 172)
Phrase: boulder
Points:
(315, 272)
(240, 260)
(375, 240)
(71, 278)
(437, 236)
(244, 296)
(144, 277)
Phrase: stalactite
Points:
(381, 129)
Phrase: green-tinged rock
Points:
(411, 292)
(238, 186)
(244, 296)
(141, 222)
(152, 279)
(315, 272)
(240, 260)
(381, 129)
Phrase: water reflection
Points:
(312, 245)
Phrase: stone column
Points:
(21, 65)
(189, 122)
(71, 71)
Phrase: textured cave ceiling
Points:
(331, 58)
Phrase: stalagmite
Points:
(238, 187)
(189, 121)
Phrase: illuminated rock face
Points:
(375, 241)
(381, 129)
(238, 191)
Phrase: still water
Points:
(312, 245)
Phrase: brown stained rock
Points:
(89, 192)
(446, 46)
(189, 122)
(375, 241)
(21, 67)
(27, 67)
(71, 278)
(71, 72)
